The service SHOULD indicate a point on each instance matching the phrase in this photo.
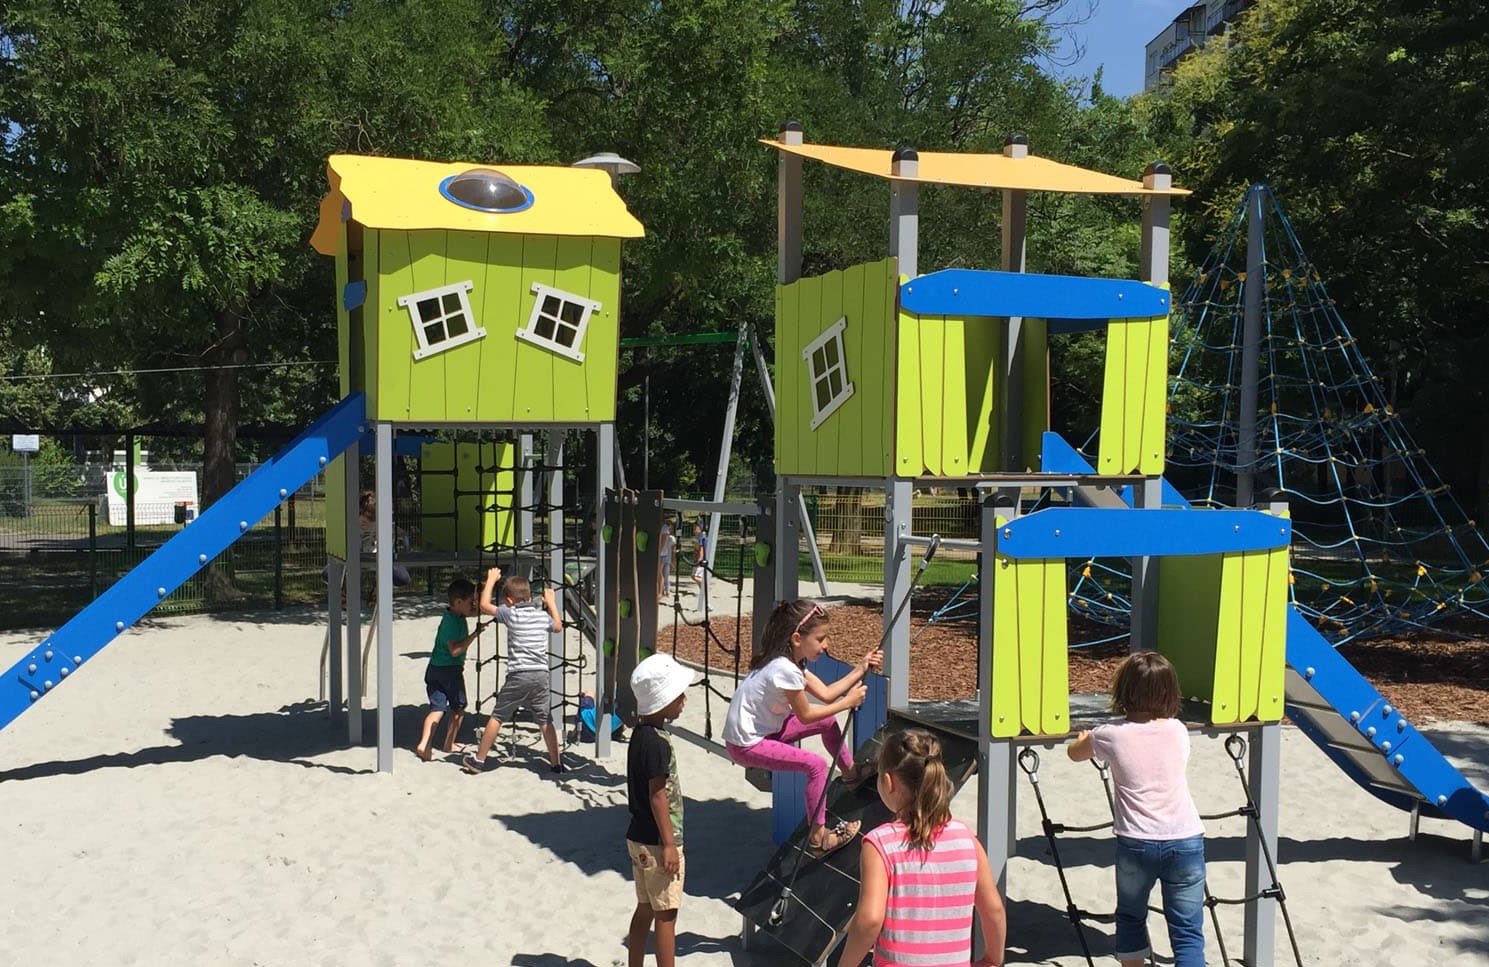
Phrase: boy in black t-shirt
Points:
(654, 838)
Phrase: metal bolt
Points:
(47, 685)
(64, 671)
(1309, 673)
(160, 592)
(35, 695)
(323, 461)
(1398, 758)
(1386, 711)
(47, 655)
(956, 292)
(1354, 716)
(1442, 800)
(77, 659)
(1237, 528)
(1008, 532)
(31, 669)
(1370, 731)
(283, 493)
(1385, 746)
(201, 559)
(1401, 725)
(242, 525)
(1057, 532)
(118, 626)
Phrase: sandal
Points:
(855, 774)
(834, 838)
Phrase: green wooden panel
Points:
(1231, 634)
(1036, 390)
(466, 258)
(373, 327)
(1113, 400)
(499, 528)
(1155, 398)
(470, 483)
(808, 327)
(437, 496)
(1132, 396)
(1004, 684)
(788, 401)
(1254, 568)
(1028, 580)
(570, 386)
(1054, 705)
(602, 350)
(984, 345)
(1272, 661)
(499, 306)
(335, 506)
(829, 436)
(1188, 614)
(954, 396)
(427, 378)
(880, 301)
(909, 456)
(343, 319)
(532, 377)
(858, 443)
(932, 375)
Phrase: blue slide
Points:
(1338, 708)
(59, 657)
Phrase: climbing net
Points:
(1380, 544)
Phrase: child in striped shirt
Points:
(924, 874)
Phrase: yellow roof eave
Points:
(398, 193)
(1030, 173)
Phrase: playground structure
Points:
(886, 377)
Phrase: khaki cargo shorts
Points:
(654, 885)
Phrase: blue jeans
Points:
(1179, 867)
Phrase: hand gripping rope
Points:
(778, 909)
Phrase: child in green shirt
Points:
(445, 676)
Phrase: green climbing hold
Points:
(609, 647)
(762, 554)
(625, 607)
(642, 539)
(608, 533)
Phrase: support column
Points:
(1015, 232)
(352, 495)
(904, 211)
(731, 408)
(996, 761)
(525, 490)
(788, 207)
(384, 597)
(789, 518)
(1252, 293)
(554, 458)
(898, 495)
(604, 481)
(335, 693)
(765, 574)
(1264, 785)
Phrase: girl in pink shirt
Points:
(922, 875)
(1159, 835)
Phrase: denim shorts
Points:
(1178, 867)
(446, 686)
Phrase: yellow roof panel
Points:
(403, 194)
(976, 170)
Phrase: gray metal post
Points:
(384, 596)
(1264, 781)
(334, 695)
(995, 758)
(721, 478)
(554, 458)
(1015, 231)
(1254, 289)
(604, 462)
(352, 495)
(788, 207)
(904, 211)
(789, 517)
(765, 577)
(525, 487)
(898, 495)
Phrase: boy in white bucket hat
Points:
(654, 838)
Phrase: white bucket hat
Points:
(656, 681)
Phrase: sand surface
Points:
(183, 800)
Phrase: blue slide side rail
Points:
(130, 598)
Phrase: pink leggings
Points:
(778, 755)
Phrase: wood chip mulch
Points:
(1431, 676)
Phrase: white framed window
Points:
(827, 368)
(442, 318)
(558, 321)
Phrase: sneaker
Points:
(472, 766)
(558, 767)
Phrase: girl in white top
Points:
(1159, 835)
(770, 711)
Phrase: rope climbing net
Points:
(1380, 544)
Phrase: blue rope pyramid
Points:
(1381, 546)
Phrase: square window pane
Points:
(457, 325)
(819, 361)
(572, 313)
(428, 309)
(544, 328)
(452, 303)
(832, 352)
(836, 379)
(565, 336)
(434, 334)
(823, 396)
(551, 305)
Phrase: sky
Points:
(1115, 39)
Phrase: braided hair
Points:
(914, 758)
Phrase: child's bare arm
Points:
(551, 603)
(492, 576)
(1080, 750)
(873, 898)
(990, 913)
(661, 812)
(458, 648)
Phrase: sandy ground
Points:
(183, 800)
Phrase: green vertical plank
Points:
(500, 310)
(427, 377)
(954, 398)
(1155, 398)
(830, 434)
(437, 496)
(1036, 389)
(1132, 395)
(1028, 580)
(499, 528)
(1113, 400)
(343, 320)
(602, 356)
(532, 383)
(810, 326)
(469, 497)
(887, 297)
(859, 442)
(908, 449)
(1230, 633)
(569, 392)
(1253, 637)
(1004, 684)
(789, 418)
(335, 506)
(983, 345)
(932, 375)
(1272, 662)
(465, 254)
(1188, 607)
(395, 342)
(1054, 705)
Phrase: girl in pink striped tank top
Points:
(922, 875)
